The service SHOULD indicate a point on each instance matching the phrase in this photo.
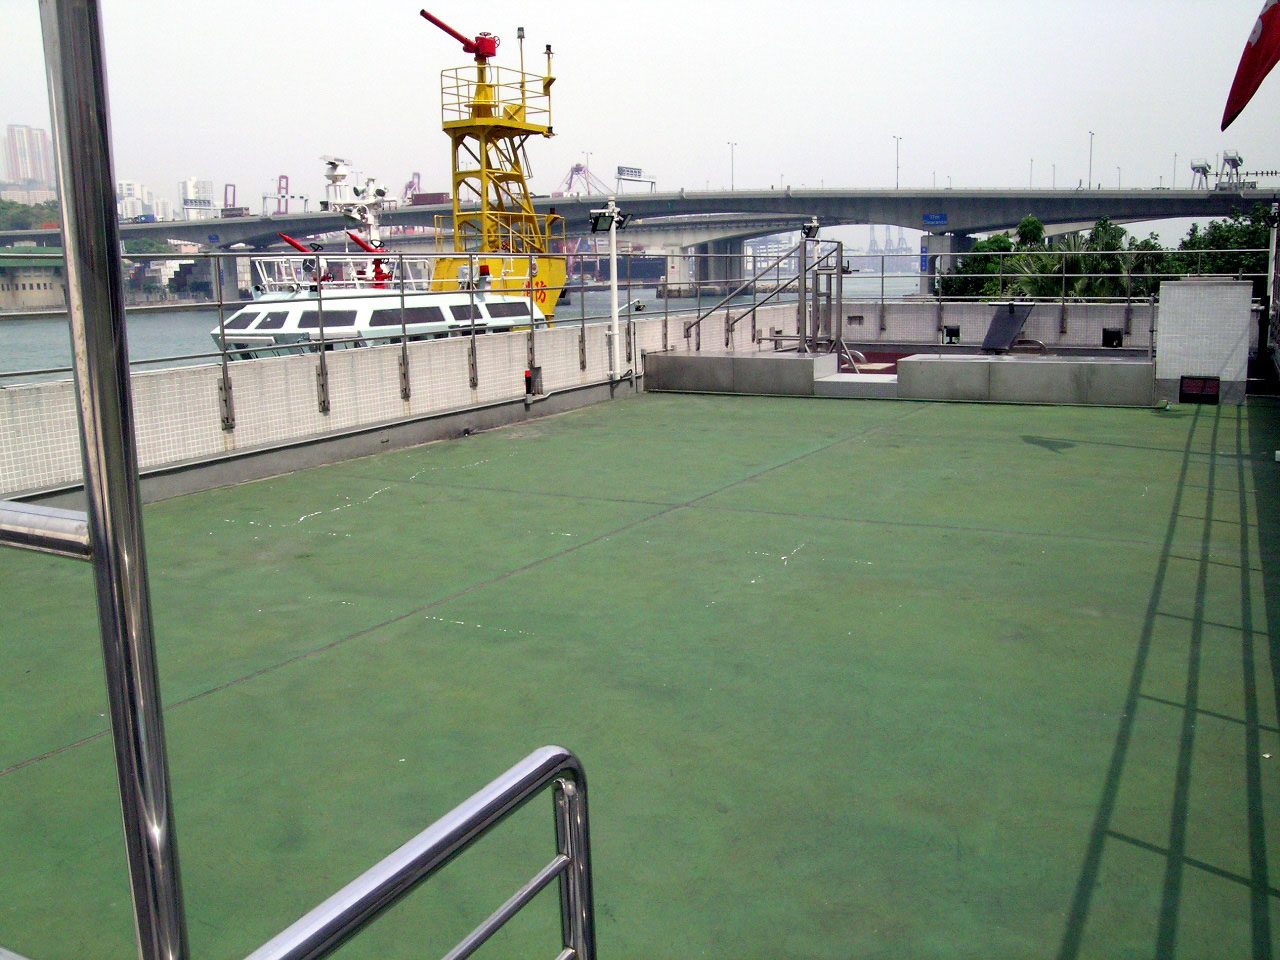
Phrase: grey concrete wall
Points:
(1027, 380)
(921, 321)
(773, 374)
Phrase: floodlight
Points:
(810, 229)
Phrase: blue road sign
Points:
(935, 219)
(214, 238)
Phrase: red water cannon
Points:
(483, 45)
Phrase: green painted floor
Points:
(851, 679)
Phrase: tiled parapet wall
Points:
(178, 415)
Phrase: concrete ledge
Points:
(772, 374)
(876, 386)
(1075, 380)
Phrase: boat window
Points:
(391, 318)
(503, 310)
(467, 312)
(274, 320)
(423, 315)
(310, 319)
(241, 321)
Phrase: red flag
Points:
(1261, 53)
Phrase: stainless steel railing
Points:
(109, 533)
(335, 921)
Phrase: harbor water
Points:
(34, 349)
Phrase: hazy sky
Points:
(239, 91)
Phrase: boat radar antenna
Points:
(362, 204)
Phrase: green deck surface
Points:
(850, 679)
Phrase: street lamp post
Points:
(1055, 177)
(1174, 185)
(1031, 174)
(897, 141)
(732, 145)
(1117, 178)
(613, 218)
(1090, 159)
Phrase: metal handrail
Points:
(339, 918)
(742, 287)
(30, 526)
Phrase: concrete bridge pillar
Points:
(938, 255)
(720, 263)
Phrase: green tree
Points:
(1030, 233)
(1250, 231)
(146, 245)
(27, 216)
(978, 274)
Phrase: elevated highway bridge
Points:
(953, 212)
(717, 222)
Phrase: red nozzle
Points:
(362, 243)
(293, 243)
(484, 45)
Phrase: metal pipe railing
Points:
(339, 918)
(29, 526)
(73, 50)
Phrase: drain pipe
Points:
(73, 53)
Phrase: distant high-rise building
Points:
(28, 156)
(197, 198)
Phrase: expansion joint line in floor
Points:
(417, 611)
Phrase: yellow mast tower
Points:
(489, 113)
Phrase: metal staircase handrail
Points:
(336, 920)
(731, 321)
(689, 325)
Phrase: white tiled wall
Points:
(1204, 329)
(178, 416)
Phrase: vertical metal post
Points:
(582, 317)
(322, 368)
(1128, 299)
(95, 300)
(666, 301)
(404, 334)
(697, 293)
(225, 399)
(755, 297)
(576, 907)
(802, 283)
(839, 317)
(1062, 303)
(613, 290)
(1271, 260)
(883, 319)
(473, 366)
(532, 359)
